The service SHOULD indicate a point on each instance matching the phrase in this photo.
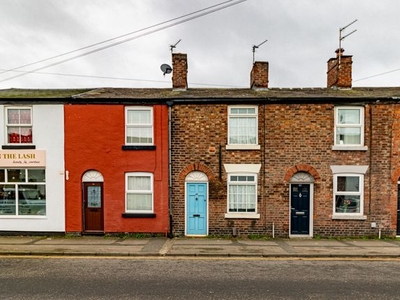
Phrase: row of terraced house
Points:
(197, 162)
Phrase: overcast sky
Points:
(302, 35)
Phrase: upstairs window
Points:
(349, 126)
(19, 125)
(242, 125)
(139, 126)
(139, 193)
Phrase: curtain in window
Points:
(138, 117)
(242, 198)
(242, 131)
(139, 195)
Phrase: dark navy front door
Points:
(196, 208)
(300, 209)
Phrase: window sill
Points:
(348, 217)
(350, 148)
(242, 216)
(132, 147)
(243, 147)
(138, 215)
(18, 146)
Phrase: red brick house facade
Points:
(322, 162)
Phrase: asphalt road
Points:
(151, 278)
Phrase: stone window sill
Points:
(243, 147)
(350, 148)
(242, 216)
(348, 217)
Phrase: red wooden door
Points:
(93, 206)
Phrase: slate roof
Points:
(202, 95)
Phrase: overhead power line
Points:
(120, 78)
(377, 75)
(146, 31)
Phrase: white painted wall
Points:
(48, 135)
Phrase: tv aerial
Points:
(256, 47)
(174, 46)
(341, 38)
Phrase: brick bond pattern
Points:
(293, 137)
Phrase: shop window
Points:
(22, 192)
(19, 125)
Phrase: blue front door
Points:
(196, 208)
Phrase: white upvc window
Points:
(242, 193)
(22, 192)
(139, 192)
(348, 194)
(139, 126)
(349, 127)
(243, 127)
(19, 125)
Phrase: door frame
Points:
(196, 177)
(302, 178)
(89, 177)
(398, 209)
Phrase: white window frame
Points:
(144, 126)
(349, 171)
(18, 187)
(142, 192)
(19, 125)
(338, 145)
(243, 170)
(232, 146)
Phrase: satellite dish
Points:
(166, 69)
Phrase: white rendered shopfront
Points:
(32, 194)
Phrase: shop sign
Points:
(23, 158)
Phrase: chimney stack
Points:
(339, 70)
(259, 75)
(179, 67)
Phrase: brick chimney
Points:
(179, 69)
(339, 70)
(259, 75)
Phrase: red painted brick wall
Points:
(94, 135)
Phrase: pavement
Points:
(198, 247)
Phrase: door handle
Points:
(196, 216)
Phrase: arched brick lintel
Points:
(196, 167)
(396, 176)
(301, 168)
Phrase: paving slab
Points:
(76, 241)
(12, 240)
